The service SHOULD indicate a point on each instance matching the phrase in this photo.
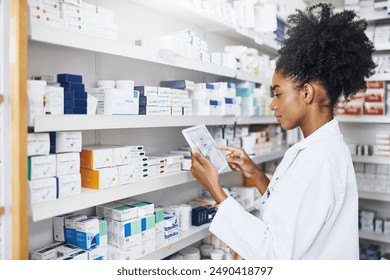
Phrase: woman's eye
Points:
(277, 94)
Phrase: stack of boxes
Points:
(116, 97)
(382, 147)
(374, 98)
(106, 166)
(373, 177)
(75, 96)
(75, 15)
(131, 228)
(77, 237)
(53, 165)
(168, 163)
(67, 147)
(180, 96)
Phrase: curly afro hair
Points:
(328, 48)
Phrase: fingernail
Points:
(194, 151)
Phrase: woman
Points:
(309, 209)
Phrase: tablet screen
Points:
(200, 138)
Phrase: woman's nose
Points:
(272, 105)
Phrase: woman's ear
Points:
(308, 93)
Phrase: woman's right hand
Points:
(239, 160)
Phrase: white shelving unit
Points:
(374, 237)
(364, 119)
(83, 41)
(132, 54)
(374, 196)
(211, 23)
(92, 122)
(371, 159)
(90, 197)
(380, 77)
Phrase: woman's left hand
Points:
(204, 171)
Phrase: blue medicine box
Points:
(75, 103)
(142, 101)
(142, 110)
(73, 86)
(67, 78)
(76, 111)
(71, 94)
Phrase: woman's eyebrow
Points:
(275, 86)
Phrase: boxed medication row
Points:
(99, 156)
(47, 189)
(52, 165)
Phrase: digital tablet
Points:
(198, 137)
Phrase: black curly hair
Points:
(329, 48)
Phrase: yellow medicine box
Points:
(100, 178)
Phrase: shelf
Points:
(90, 197)
(186, 238)
(376, 16)
(371, 159)
(252, 78)
(92, 122)
(211, 23)
(46, 123)
(380, 77)
(382, 47)
(363, 119)
(374, 196)
(241, 120)
(187, 12)
(62, 37)
(374, 236)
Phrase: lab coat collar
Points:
(330, 128)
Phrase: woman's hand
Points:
(239, 160)
(204, 171)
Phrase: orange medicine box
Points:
(93, 157)
(374, 108)
(99, 178)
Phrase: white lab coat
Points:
(310, 208)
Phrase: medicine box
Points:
(59, 227)
(147, 90)
(125, 235)
(70, 228)
(75, 111)
(94, 157)
(120, 254)
(102, 178)
(170, 168)
(40, 167)
(144, 208)
(42, 190)
(87, 233)
(72, 251)
(65, 142)
(38, 144)
(120, 212)
(68, 163)
(48, 252)
(96, 253)
(68, 185)
(127, 174)
(71, 94)
(62, 78)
